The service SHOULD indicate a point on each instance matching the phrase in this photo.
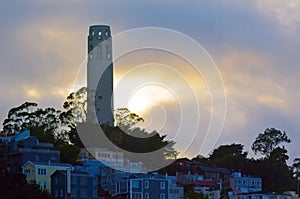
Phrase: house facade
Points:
(148, 186)
(245, 184)
(39, 173)
(23, 147)
(73, 185)
(260, 196)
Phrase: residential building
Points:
(208, 187)
(245, 184)
(148, 186)
(112, 159)
(218, 174)
(260, 196)
(22, 147)
(73, 185)
(105, 175)
(175, 191)
(39, 173)
(108, 157)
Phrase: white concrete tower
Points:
(100, 75)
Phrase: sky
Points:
(254, 44)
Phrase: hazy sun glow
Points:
(32, 93)
(146, 97)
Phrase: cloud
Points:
(254, 43)
(287, 13)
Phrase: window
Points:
(61, 193)
(83, 193)
(42, 172)
(107, 53)
(27, 172)
(123, 185)
(73, 193)
(99, 35)
(83, 180)
(146, 184)
(56, 193)
(103, 172)
(45, 185)
(136, 196)
(162, 196)
(61, 180)
(135, 184)
(73, 180)
(146, 195)
(162, 185)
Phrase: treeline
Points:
(59, 127)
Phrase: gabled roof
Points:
(75, 172)
(47, 164)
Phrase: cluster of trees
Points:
(59, 127)
(272, 166)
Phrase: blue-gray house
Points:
(73, 184)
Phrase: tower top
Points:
(99, 26)
(98, 34)
(99, 30)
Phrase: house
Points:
(105, 175)
(208, 187)
(39, 173)
(260, 196)
(111, 158)
(145, 187)
(175, 191)
(245, 184)
(22, 147)
(217, 174)
(149, 186)
(75, 184)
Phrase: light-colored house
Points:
(39, 173)
(245, 184)
(259, 196)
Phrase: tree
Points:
(126, 119)
(267, 141)
(69, 153)
(296, 166)
(28, 114)
(76, 107)
(296, 171)
(20, 117)
(189, 192)
(13, 186)
(231, 157)
(233, 149)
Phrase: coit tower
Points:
(100, 75)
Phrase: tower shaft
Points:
(100, 75)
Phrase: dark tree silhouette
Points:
(267, 141)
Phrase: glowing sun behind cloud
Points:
(151, 100)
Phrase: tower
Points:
(100, 75)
